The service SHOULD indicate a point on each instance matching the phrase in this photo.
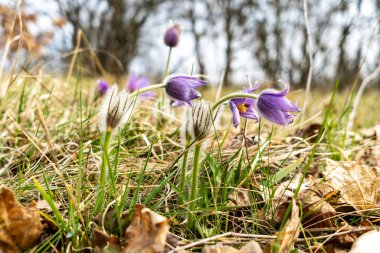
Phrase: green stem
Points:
(184, 168)
(167, 63)
(194, 182)
(103, 172)
(231, 96)
(148, 88)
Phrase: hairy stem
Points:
(103, 172)
(149, 88)
(184, 169)
(194, 182)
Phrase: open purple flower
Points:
(182, 89)
(171, 36)
(135, 83)
(274, 106)
(243, 107)
(103, 87)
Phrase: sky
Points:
(243, 65)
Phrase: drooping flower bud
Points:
(274, 106)
(182, 89)
(198, 122)
(115, 110)
(172, 34)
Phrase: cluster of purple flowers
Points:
(269, 104)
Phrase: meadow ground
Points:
(51, 152)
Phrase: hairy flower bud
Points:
(115, 110)
(198, 122)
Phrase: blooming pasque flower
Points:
(197, 122)
(274, 106)
(171, 36)
(115, 110)
(103, 87)
(135, 83)
(243, 107)
(182, 89)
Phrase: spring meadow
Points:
(214, 126)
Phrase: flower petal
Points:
(249, 115)
(180, 91)
(235, 114)
(272, 114)
(281, 103)
(238, 101)
(132, 84)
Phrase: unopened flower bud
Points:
(172, 34)
(199, 121)
(115, 110)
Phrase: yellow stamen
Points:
(242, 108)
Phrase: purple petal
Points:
(235, 114)
(249, 115)
(103, 87)
(142, 82)
(275, 115)
(132, 84)
(180, 91)
(281, 103)
(177, 103)
(238, 101)
(192, 81)
(171, 36)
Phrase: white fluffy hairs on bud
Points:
(187, 130)
(197, 122)
(116, 109)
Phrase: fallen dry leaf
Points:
(239, 197)
(367, 243)
(289, 234)
(14, 219)
(359, 185)
(317, 211)
(250, 247)
(103, 242)
(146, 233)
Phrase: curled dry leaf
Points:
(105, 243)
(359, 185)
(14, 219)
(239, 197)
(250, 247)
(289, 234)
(147, 232)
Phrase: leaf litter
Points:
(20, 226)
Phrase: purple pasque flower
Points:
(243, 107)
(103, 87)
(172, 34)
(182, 89)
(135, 83)
(274, 106)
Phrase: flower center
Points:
(242, 108)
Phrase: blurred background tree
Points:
(265, 39)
